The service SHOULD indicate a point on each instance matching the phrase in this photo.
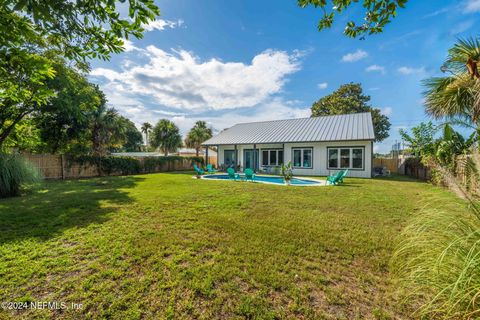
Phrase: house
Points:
(315, 146)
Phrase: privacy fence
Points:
(69, 167)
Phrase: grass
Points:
(166, 246)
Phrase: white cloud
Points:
(408, 70)
(322, 85)
(472, 6)
(161, 24)
(128, 45)
(355, 56)
(375, 68)
(180, 80)
(461, 27)
(387, 111)
(106, 73)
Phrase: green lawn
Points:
(169, 246)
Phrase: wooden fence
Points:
(60, 167)
(392, 164)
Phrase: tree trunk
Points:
(6, 132)
(197, 151)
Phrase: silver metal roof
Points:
(345, 127)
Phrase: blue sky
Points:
(227, 62)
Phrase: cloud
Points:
(180, 80)
(322, 85)
(387, 111)
(471, 6)
(461, 27)
(106, 73)
(161, 24)
(128, 45)
(408, 70)
(375, 68)
(355, 56)
(437, 12)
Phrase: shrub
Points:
(110, 164)
(438, 257)
(151, 164)
(16, 173)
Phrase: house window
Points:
(333, 158)
(272, 157)
(346, 158)
(229, 157)
(303, 158)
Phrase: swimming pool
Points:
(270, 179)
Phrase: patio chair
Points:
(344, 174)
(210, 169)
(232, 174)
(335, 178)
(249, 175)
(198, 170)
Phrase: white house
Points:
(315, 146)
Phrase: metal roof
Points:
(345, 127)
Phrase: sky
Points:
(228, 62)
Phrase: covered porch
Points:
(259, 157)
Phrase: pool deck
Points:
(318, 183)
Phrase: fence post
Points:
(62, 164)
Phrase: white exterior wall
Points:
(319, 156)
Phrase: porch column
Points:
(254, 157)
(218, 157)
(206, 155)
(283, 147)
(236, 158)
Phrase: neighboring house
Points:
(315, 146)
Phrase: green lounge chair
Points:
(249, 175)
(344, 174)
(210, 169)
(232, 174)
(335, 178)
(198, 170)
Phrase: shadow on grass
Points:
(61, 205)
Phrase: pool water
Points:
(269, 179)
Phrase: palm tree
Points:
(457, 96)
(146, 127)
(107, 129)
(197, 135)
(166, 136)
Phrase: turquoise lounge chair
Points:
(232, 174)
(335, 178)
(344, 174)
(210, 169)
(198, 170)
(249, 175)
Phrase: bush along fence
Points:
(70, 167)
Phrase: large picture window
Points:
(272, 157)
(302, 158)
(346, 158)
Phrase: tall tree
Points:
(166, 136)
(63, 120)
(132, 137)
(421, 139)
(106, 129)
(199, 133)
(349, 98)
(146, 128)
(377, 14)
(457, 95)
(77, 30)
